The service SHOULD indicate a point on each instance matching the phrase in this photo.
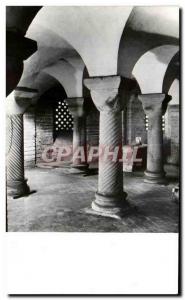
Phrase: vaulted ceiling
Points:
(128, 41)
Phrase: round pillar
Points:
(79, 140)
(110, 195)
(110, 198)
(76, 108)
(16, 106)
(16, 183)
(154, 106)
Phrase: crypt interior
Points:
(78, 79)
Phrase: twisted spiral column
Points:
(16, 183)
(110, 197)
(111, 178)
(155, 106)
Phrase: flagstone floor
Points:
(59, 197)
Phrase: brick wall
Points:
(92, 124)
(44, 129)
(135, 126)
(135, 121)
(172, 134)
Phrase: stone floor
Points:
(59, 198)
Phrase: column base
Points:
(17, 188)
(155, 178)
(111, 206)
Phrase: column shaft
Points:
(155, 144)
(16, 183)
(76, 108)
(79, 138)
(110, 172)
(154, 106)
(110, 199)
(110, 195)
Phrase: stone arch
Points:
(40, 81)
(55, 57)
(141, 35)
(93, 38)
(150, 69)
(70, 76)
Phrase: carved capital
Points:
(105, 93)
(154, 104)
(76, 106)
(22, 98)
(22, 92)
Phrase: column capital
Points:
(76, 106)
(22, 92)
(105, 93)
(154, 103)
(20, 100)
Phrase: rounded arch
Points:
(69, 72)
(94, 32)
(42, 82)
(142, 33)
(150, 69)
(70, 76)
(52, 84)
(52, 94)
(55, 57)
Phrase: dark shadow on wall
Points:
(172, 73)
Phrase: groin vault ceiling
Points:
(97, 41)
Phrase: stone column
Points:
(110, 197)
(16, 182)
(154, 106)
(76, 108)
